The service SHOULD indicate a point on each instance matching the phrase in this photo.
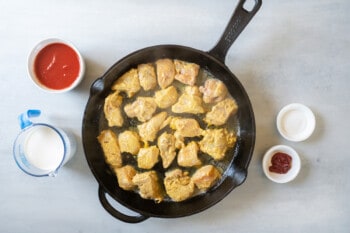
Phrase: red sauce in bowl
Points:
(57, 66)
(281, 163)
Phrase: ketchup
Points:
(281, 163)
(57, 66)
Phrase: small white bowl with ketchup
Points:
(56, 66)
(281, 164)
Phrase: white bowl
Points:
(296, 122)
(291, 174)
(31, 62)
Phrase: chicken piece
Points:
(206, 176)
(166, 145)
(149, 186)
(147, 157)
(213, 91)
(128, 82)
(125, 175)
(221, 112)
(188, 155)
(186, 72)
(186, 127)
(109, 143)
(178, 185)
(147, 76)
(112, 109)
(189, 102)
(165, 72)
(142, 108)
(166, 97)
(129, 141)
(216, 142)
(148, 130)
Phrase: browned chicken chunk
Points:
(129, 141)
(189, 102)
(147, 157)
(166, 145)
(125, 175)
(165, 72)
(142, 108)
(166, 97)
(112, 109)
(149, 186)
(186, 72)
(178, 185)
(213, 91)
(216, 142)
(128, 83)
(109, 143)
(148, 130)
(221, 112)
(147, 76)
(206, 176)
(188, 155)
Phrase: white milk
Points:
(44, 148)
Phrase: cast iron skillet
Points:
(213, 61)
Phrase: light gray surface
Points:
(292, 51)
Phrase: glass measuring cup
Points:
(41, 149)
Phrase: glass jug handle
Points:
(24, 118)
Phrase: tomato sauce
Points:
(281, 163)
(57, 66)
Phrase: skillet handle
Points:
(115, 213)
(239, 20)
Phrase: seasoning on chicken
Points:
(148, 130)
(189, 102)
(188, 155)
(178, 185)
(128, 82)
(213, 91)
(149, 186)
(206, 176)
(112, 109)
(147, 76)
(221, 112)
(216, 142)
(109, 143)
(186, 72)
(142, 108)
(129, 141)
(165, 72)
(166, 145)
(147, 157)
(166, 97)
(125, 175)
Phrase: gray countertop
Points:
(292, 51)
